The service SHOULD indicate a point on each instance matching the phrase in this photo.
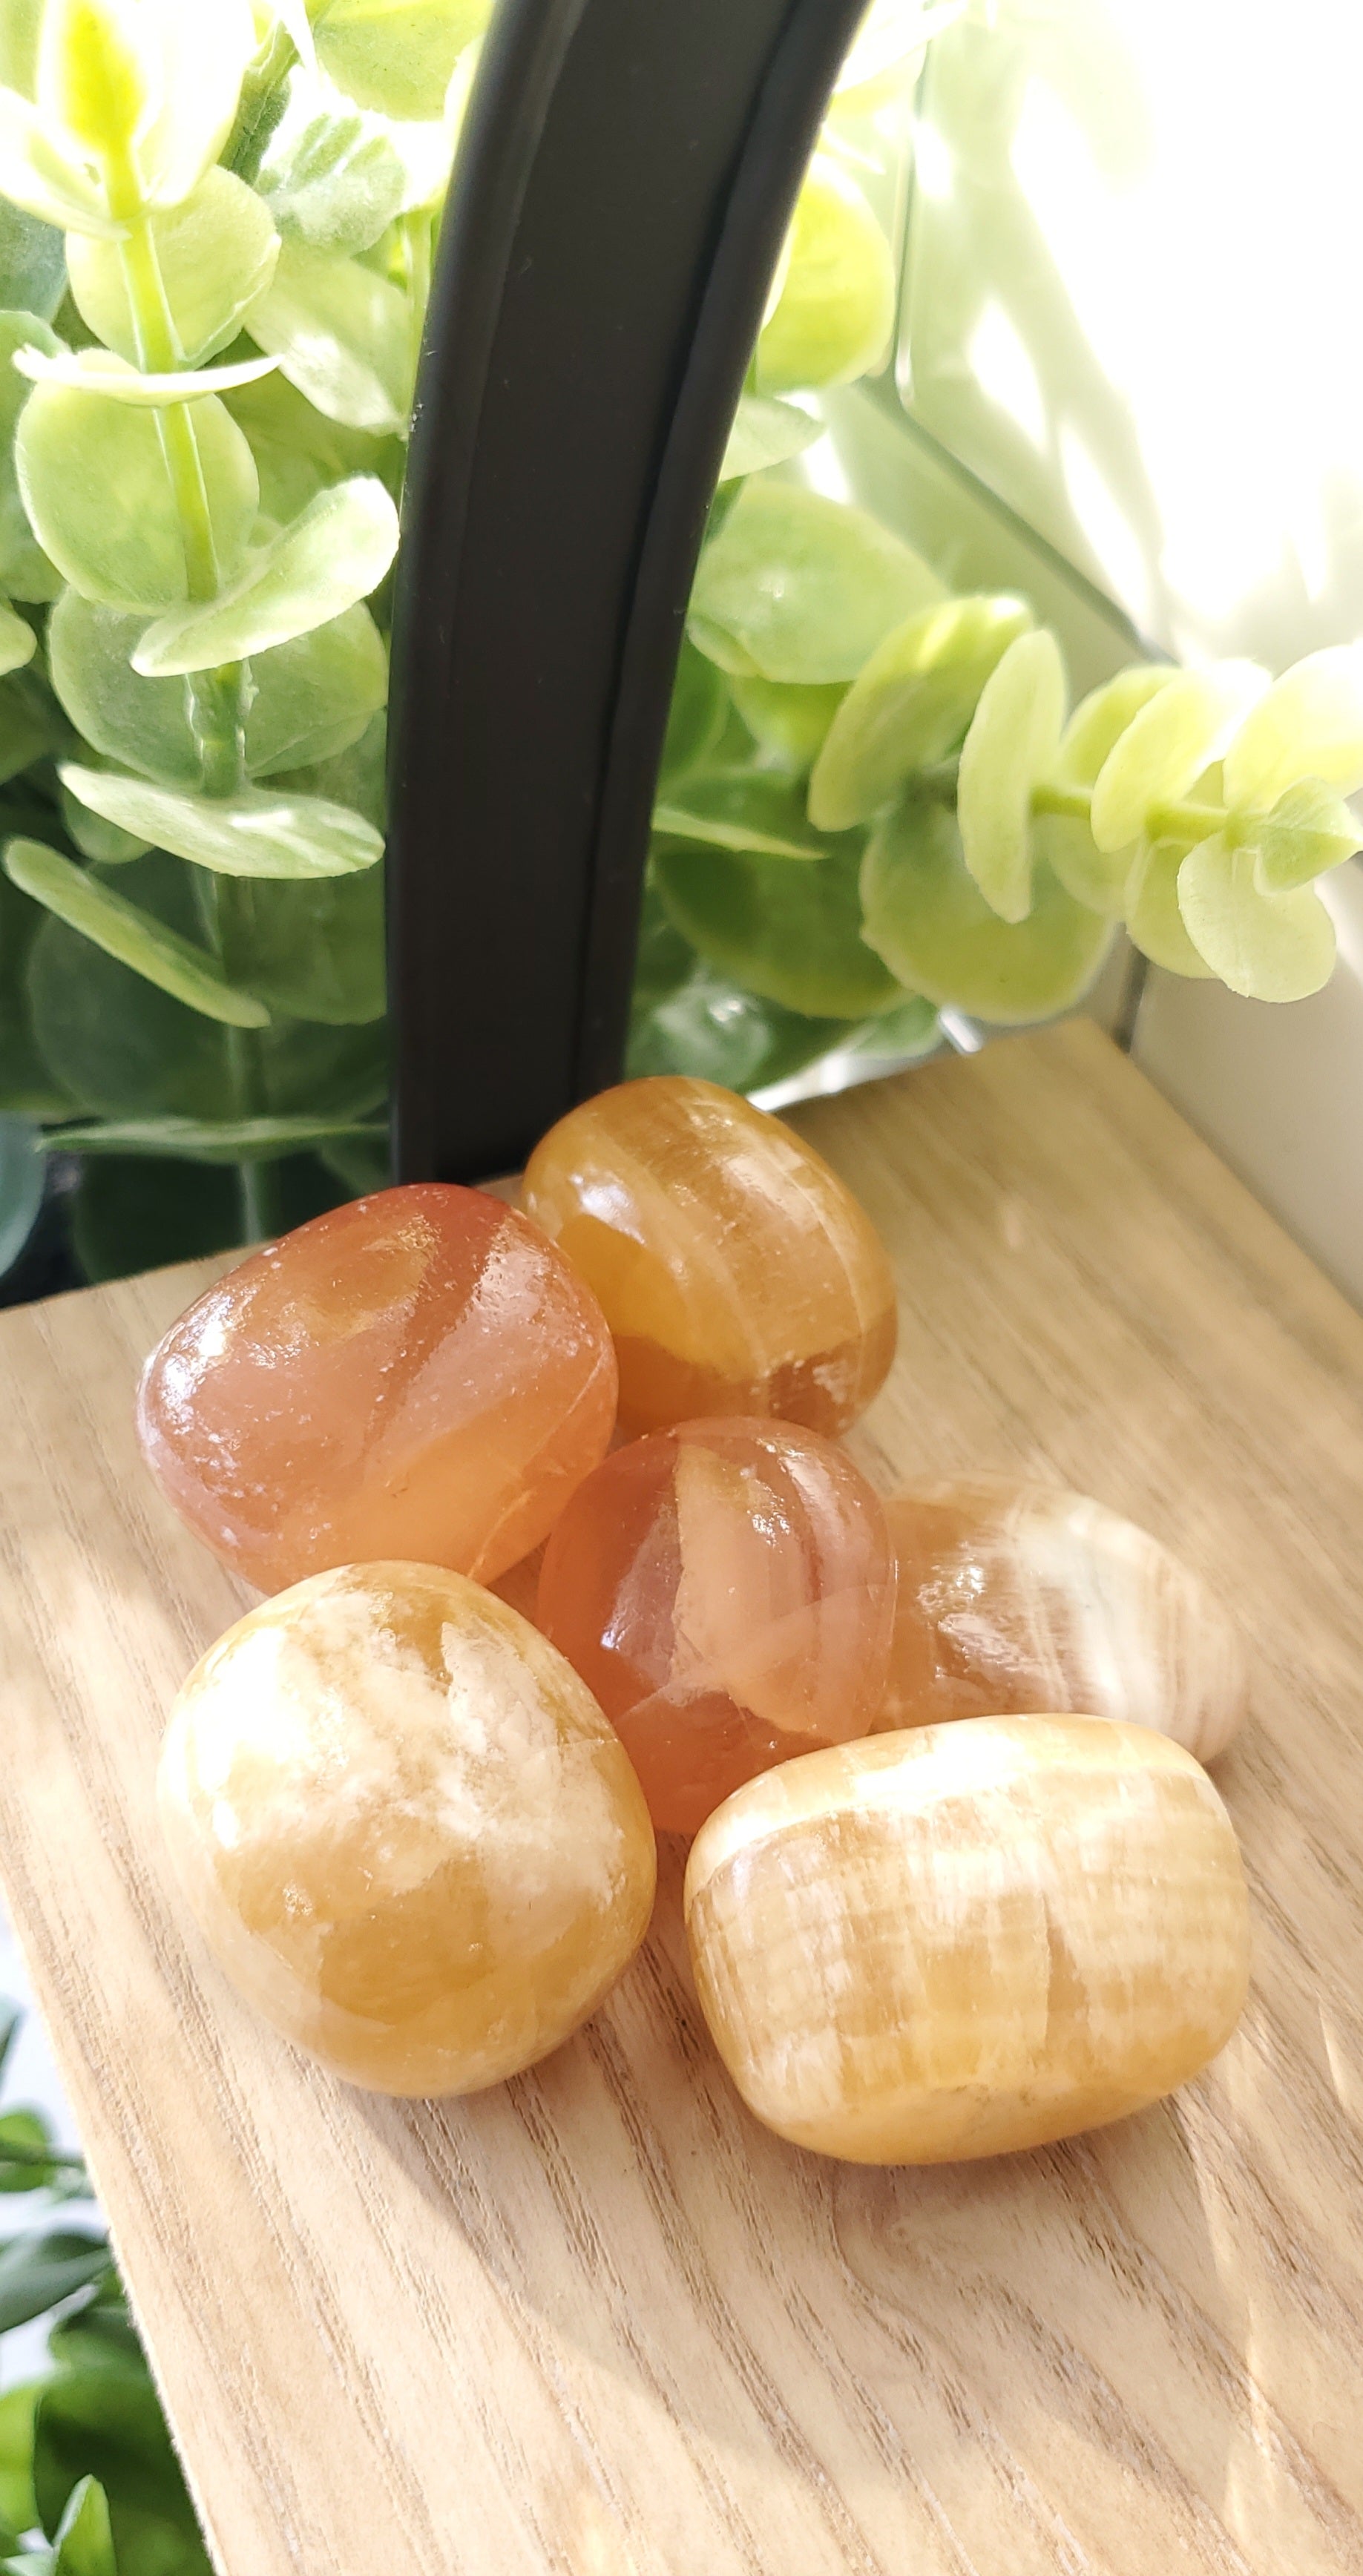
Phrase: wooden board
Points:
(598, 2323)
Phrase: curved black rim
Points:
(624, 182)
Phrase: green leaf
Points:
(85, 2542)
(1094, 877)
(835, 313)
(122, 1049)
(32, 261)
(331, 558)
(25, 571)
(741, 809)
(254, 833)
(396, 55)
(663, 960)
(1012, 744)
(97, 491)
(98, 2332)
(697, 715)
(709, 1026)
(910, 705)
(217, 253)
(337, 184)
(25, 2142)
(1308, 725)
(95, 839)
(17, 641)
(796, 587)
(1154, 922)
(342, 335)
(356, 776)
(1184, 727)
(313, 952)
(927, 918)
(36, 2272)
(17, 2502)
(107, 2424)
(791, 935)
(227, 1140)
(27, 1087)
(30, 722)
(173, 964)
(133, 1214)
(98, 371)
(46, 182)
(11, 2021)
(766, 433)
(298, 452)
(1271, 947)
(204, 54)
(312, 697)
(789, 722)
(1309, 831)
(1100, 720)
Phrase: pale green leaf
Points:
(336, 184)
(342, 335)
(217, 254)
(135, 937)
(790, 934)
(313, 697)
(85, 2542)
(251, 834)
(790, 722)
(18, 642)
(1183, 727)
(101, 842)
(332, 557)
(312, 951)
(1100, 720)
(833, 319)
(741, 809)
(1012, 744)
(99, 73)
(100, 371)
(1154, 922)
(797, 587)
(1308, 725)
(25, 571)
(927, 918)
(1271, 947)
(298, 451)
(1309, 831)
(910, 705)
(1094, 877)
(43, 180)
(240, 1140)
(396, 55)
(97, 491)
(293, 18)
(204, 55)
(766, 433)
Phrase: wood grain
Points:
(600, 2324)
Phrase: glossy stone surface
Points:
(405, 1828)
(417, 1375)
(968, 1938)
(737, 1272)
(1015, 1597)
(726, 1590)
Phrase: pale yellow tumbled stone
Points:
(405, 1828)
(968, 1938)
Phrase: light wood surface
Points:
(598, 2322)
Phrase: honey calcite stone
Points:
(726, 1590)
(417, 1375)
(1015, 1597)
(737, 1272)
(969, 1938)
(405, 1828)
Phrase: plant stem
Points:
(1173, 822)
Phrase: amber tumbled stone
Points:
(417, 1375)
(726, 1590)
(405, 1828)
(1016, 1596)
(968, 1938)
(737, 1272)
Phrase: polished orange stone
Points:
(726, 1591)
(405, 1828)
(1015, 1596)
(737, 1272)
(417, 1375)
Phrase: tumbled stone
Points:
(405, 1828)
(726, 1590)
(737, 1272)
(968, 1938)
(417, 1375)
